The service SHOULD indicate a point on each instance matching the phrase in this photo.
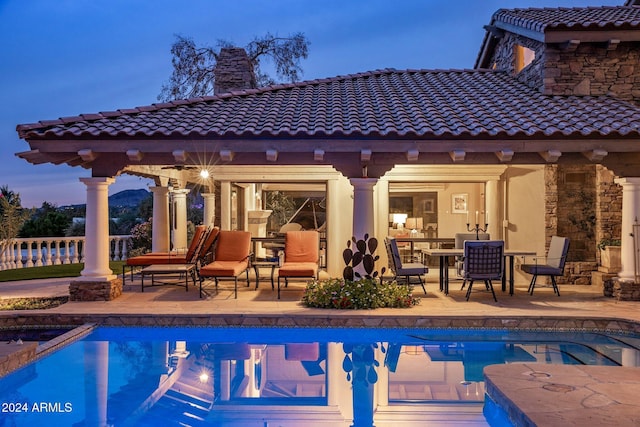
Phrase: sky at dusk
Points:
(68, 57)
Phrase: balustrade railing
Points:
(41, 251)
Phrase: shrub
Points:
(366, 293)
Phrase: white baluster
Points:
(13, 255)
(125, 245)
(29, 254)
(67, 252)
(56, 260)
(75, 259)
(81, 249)
(20, 260)
(48, 244)
(38, 254)
(116, 249)
(4, 247)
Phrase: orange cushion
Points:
(301, 246)
(223, 269)
(197, 235)
(233, 246)
(298, 269)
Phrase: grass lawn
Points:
(51, 271)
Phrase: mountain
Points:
(128, 198)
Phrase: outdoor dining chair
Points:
(552, 265)
(301, 256)
(483, 260)
(459, 240)
(231, 258)
(400, 269)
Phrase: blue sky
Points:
(68, 57)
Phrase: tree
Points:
(193, 66)
(48, 221)
(12, 217)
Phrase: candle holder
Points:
(478, 230)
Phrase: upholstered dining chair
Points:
(231, 258)
(301, 256)
(406, 269)
(552, 265)
(483, 260)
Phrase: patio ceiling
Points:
(376, 119)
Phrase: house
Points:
(542, 137)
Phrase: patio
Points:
(578, 307)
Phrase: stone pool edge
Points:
(354, 320)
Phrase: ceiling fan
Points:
(180, 167)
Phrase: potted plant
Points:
(610, 261)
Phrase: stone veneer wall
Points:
(608, 205)
(566, 217)
(590, 69)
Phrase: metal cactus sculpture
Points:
(362, 253)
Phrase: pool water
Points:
(284, 377)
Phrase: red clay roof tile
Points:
(541, 19)
(384, 103)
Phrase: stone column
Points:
(630, 213)
(179, 225)
(209, 214)
(96, 282)
(96, 249)
(225, 208)
(160, 226)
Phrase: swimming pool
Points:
(283, 376)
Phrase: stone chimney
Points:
(234, 71)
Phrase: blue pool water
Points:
(283, 377)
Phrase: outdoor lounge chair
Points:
(483, 260)
(231, 259)
(400, 269)
(301, 256)
(201, 245)
(553, 264)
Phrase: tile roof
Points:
(541, 19)
(385, 103)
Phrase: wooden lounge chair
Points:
(552, 265)
(201, 244)
(231, 258)
(301, 256)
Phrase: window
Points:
(523, 56)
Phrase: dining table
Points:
(445, 254)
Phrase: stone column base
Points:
(83, 290)
(626, 291)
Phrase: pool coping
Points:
(352, 320)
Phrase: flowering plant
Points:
(365, 293)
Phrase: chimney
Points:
(234, 71)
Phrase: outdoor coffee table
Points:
(185, 270)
